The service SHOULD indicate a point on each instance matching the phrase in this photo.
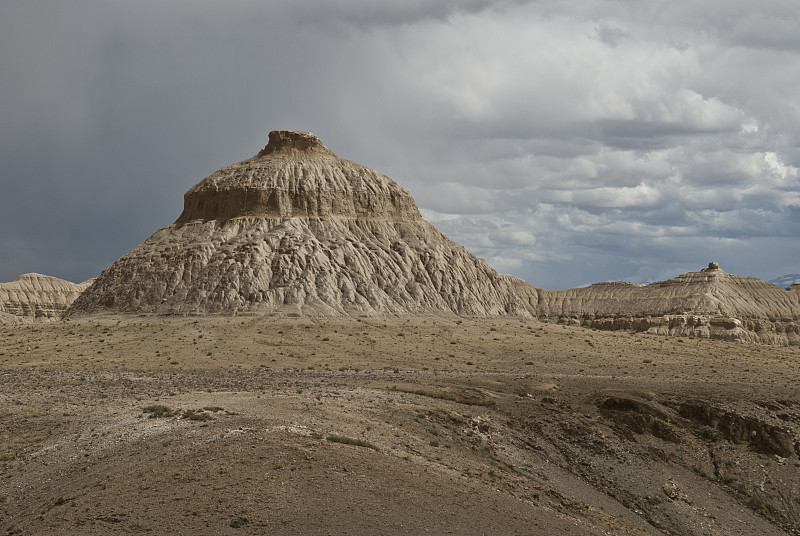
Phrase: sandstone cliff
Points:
(298, 230)
(37, 297)
(708, 303)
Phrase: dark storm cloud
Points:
(566, 142)
(365, 14)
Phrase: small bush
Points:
(196, 415)
(239, 522)
(158, 411)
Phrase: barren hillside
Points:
(252, 425)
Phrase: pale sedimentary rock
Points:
(298, 230)
(708, 303)
(37, 297)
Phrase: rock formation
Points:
(708, 303)
(298, 230)
(37, 297)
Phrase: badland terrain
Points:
(301, 353)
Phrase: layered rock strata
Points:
(37, 297)
(709, 303)
(298, 230)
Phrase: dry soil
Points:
(424, 425)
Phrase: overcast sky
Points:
(564, 142)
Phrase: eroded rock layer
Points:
(37, 297)
(296, 229)
(709, 303)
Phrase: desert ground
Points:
(401, 425)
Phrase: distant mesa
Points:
(298, 230)
(710, 303)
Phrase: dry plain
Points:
(398, 425)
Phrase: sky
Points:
(564, 142)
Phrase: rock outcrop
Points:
(298, 230)
(37, 297)
(709, 303)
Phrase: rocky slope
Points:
(37, 297)
(709, 303)
(298, 230)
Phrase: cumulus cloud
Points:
(565, 142)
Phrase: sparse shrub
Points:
(757, 504)
(196, 415)
(446, 396)
(158, 411)
(239, 522)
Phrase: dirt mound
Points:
(298, 230)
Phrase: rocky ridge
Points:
(37, 297)
(710, 303)
(298, 230)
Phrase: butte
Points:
(297, 230)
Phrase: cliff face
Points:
(296, 229)
(708, 303)
(37, 297)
